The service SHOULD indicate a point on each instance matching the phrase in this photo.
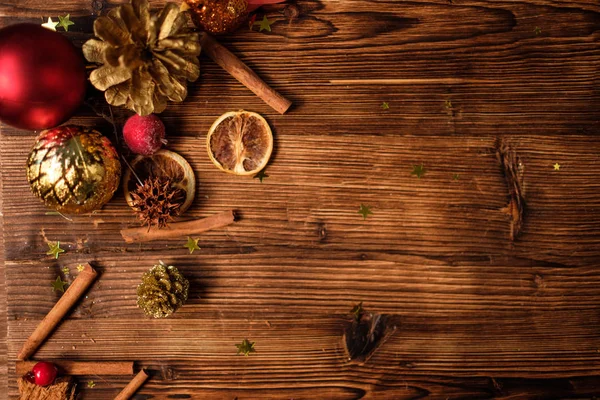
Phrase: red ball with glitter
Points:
(42, 77)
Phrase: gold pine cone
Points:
(162, 291)
(147, 58)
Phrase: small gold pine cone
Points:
(146, 58)
(162, 291)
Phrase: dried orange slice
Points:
(162, 164)
(240, 142)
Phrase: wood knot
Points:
(365, 335)
(168, 373)
(291, 11)
(513, 171)
(538, 280)
(322, 231)
(142, 397)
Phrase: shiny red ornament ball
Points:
(42, 77)
(44, 373)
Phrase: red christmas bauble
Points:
(42, 77)
(44, 373)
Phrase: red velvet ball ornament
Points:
(42, 77)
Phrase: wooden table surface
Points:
(486, 270)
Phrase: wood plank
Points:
(3, 301)
(501, 76)
(282, 283)
(312, 198)
(435, 346)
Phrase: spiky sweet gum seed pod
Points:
(157, 201)
(162, 291)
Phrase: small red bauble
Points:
(42, 77)
(44, 373)
(144, 135)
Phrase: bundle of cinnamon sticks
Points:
(79, 286)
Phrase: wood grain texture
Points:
(479, 310)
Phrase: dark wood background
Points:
(487, 300)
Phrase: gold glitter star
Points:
(59, 285)
(364, 211)
(80, 268)
(261, 175)
(55, 249)
(557, 167)
(66, 270)
(65, 22)
(246, 347)
(385, 106)
(91, 384)
(418, 171)
(50, 24)
(192, 244)
(357, 311)
(264, 25)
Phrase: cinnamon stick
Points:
(240, 71)
(57, 313)
(133, 386)
(179, 229)
(83, 367)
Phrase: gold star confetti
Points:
(80, 268)
(364, 211)
(65, 22)
(537, 30)
(557, 167)
(246, 347)
(261, 175)
(418, 171)
(66, 270)
(91, 384)
(385, 106)
(455, 177)
(50, 24)
(264, 25)
(357, 311)
(192, 244)
(55, 249)
(59, 285)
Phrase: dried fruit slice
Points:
(162, 164)
(240, 142)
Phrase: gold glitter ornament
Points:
(162, 291)
(73, 169)
(218, 16)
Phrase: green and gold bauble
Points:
(73, 169)
(146, 58)
(162, 291)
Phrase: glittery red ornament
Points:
(42, 77)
